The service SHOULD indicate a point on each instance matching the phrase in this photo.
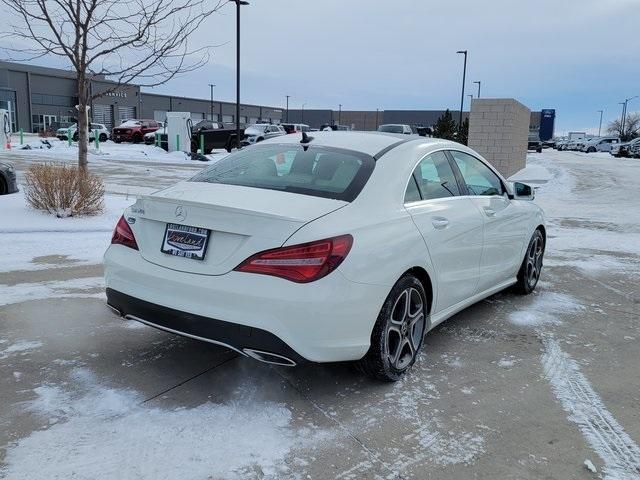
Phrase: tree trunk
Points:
(83, 126)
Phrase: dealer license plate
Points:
(185, 241)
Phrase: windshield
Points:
(131, 123)
(390, 128)
(318, 171)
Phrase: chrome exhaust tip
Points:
(268, 357)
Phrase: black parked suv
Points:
(8, 183)
(534, 143)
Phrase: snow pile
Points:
(105, 433)
(109, 151)
(27, 234)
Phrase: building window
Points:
(227, 118)
(243, 119)
(57, 100)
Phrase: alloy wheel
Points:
(534, 260)
(405, 329)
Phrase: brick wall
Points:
(499, 130)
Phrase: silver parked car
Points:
(624, 149)
(261, 131)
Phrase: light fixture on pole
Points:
(238, 3)
(464, 79)
(479, 84)
(302, 121)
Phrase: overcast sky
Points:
(577, 56)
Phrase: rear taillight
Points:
(123, 235)
(302, 263)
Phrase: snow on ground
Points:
(19, 347)
(618, 451)
(33, 240)
(108, 151)
(87, 287)
(98, 432)
(603, 236)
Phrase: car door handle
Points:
(439, 223)
(490, 212)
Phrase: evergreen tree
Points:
(445, 127)
(463, 135)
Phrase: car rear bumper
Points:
(254, 342)
(325, 321)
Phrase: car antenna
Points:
(306, 139)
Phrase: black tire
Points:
(137, 138)
(396, 342)
(539, 149)
(4, 188)
(75, 137)
(591, 150)
(531, 267)
(118, 141)
(259, 139)
(103, 137)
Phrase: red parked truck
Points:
(134, 130)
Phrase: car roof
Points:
(370, 143)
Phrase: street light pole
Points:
(600, 127)
(464, 79)
(238, 3)
(377, 110)
(302, 121)
(622, 118)
(287, 115)
(212, 86)
(479, 83)
(340, 114)
(624, 112)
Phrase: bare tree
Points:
(125, 41)
(631, 127)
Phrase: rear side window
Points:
(479, 178)
(434, 178)
(318, 171)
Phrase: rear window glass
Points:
(319, 171)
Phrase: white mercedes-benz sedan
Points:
(341, 246)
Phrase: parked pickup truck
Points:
(134, 130)
(216, 135)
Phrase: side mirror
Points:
(522, 191)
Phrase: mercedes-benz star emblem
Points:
(181, 213)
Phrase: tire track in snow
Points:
(618, 451)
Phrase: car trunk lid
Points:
(242, 221)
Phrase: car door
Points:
(505, 224)
(451, 227)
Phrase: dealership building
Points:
(40, 98)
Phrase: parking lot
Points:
(542, 386)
